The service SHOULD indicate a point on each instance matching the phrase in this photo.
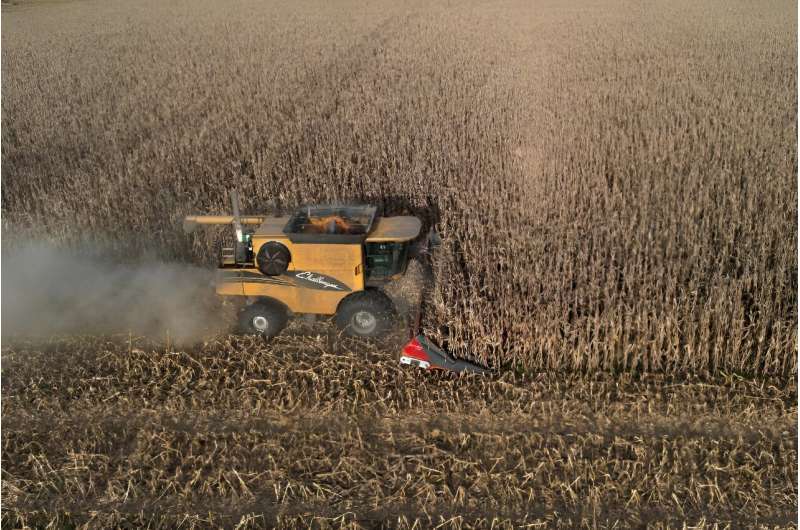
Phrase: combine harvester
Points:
(325, 260)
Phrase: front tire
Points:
(365, 314)
(265, 317)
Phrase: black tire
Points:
(265, 317)
(365, 314)
(273, 258)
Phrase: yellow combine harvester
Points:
(322, 260)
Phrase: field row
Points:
(134, 432)
(325, 374)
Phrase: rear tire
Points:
(265, 317)
(365, 314)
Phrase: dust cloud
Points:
(48, 291)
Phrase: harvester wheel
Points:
(365, 314)
(265, 317)
(273, 258)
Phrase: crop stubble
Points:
(108, 431)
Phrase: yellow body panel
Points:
(319, 275)
(272, 227)
(400, 228)
(297, 298)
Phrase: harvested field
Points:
(109, 432)
(615, 184)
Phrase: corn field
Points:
(615, 186)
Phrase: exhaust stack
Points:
(237, 219)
